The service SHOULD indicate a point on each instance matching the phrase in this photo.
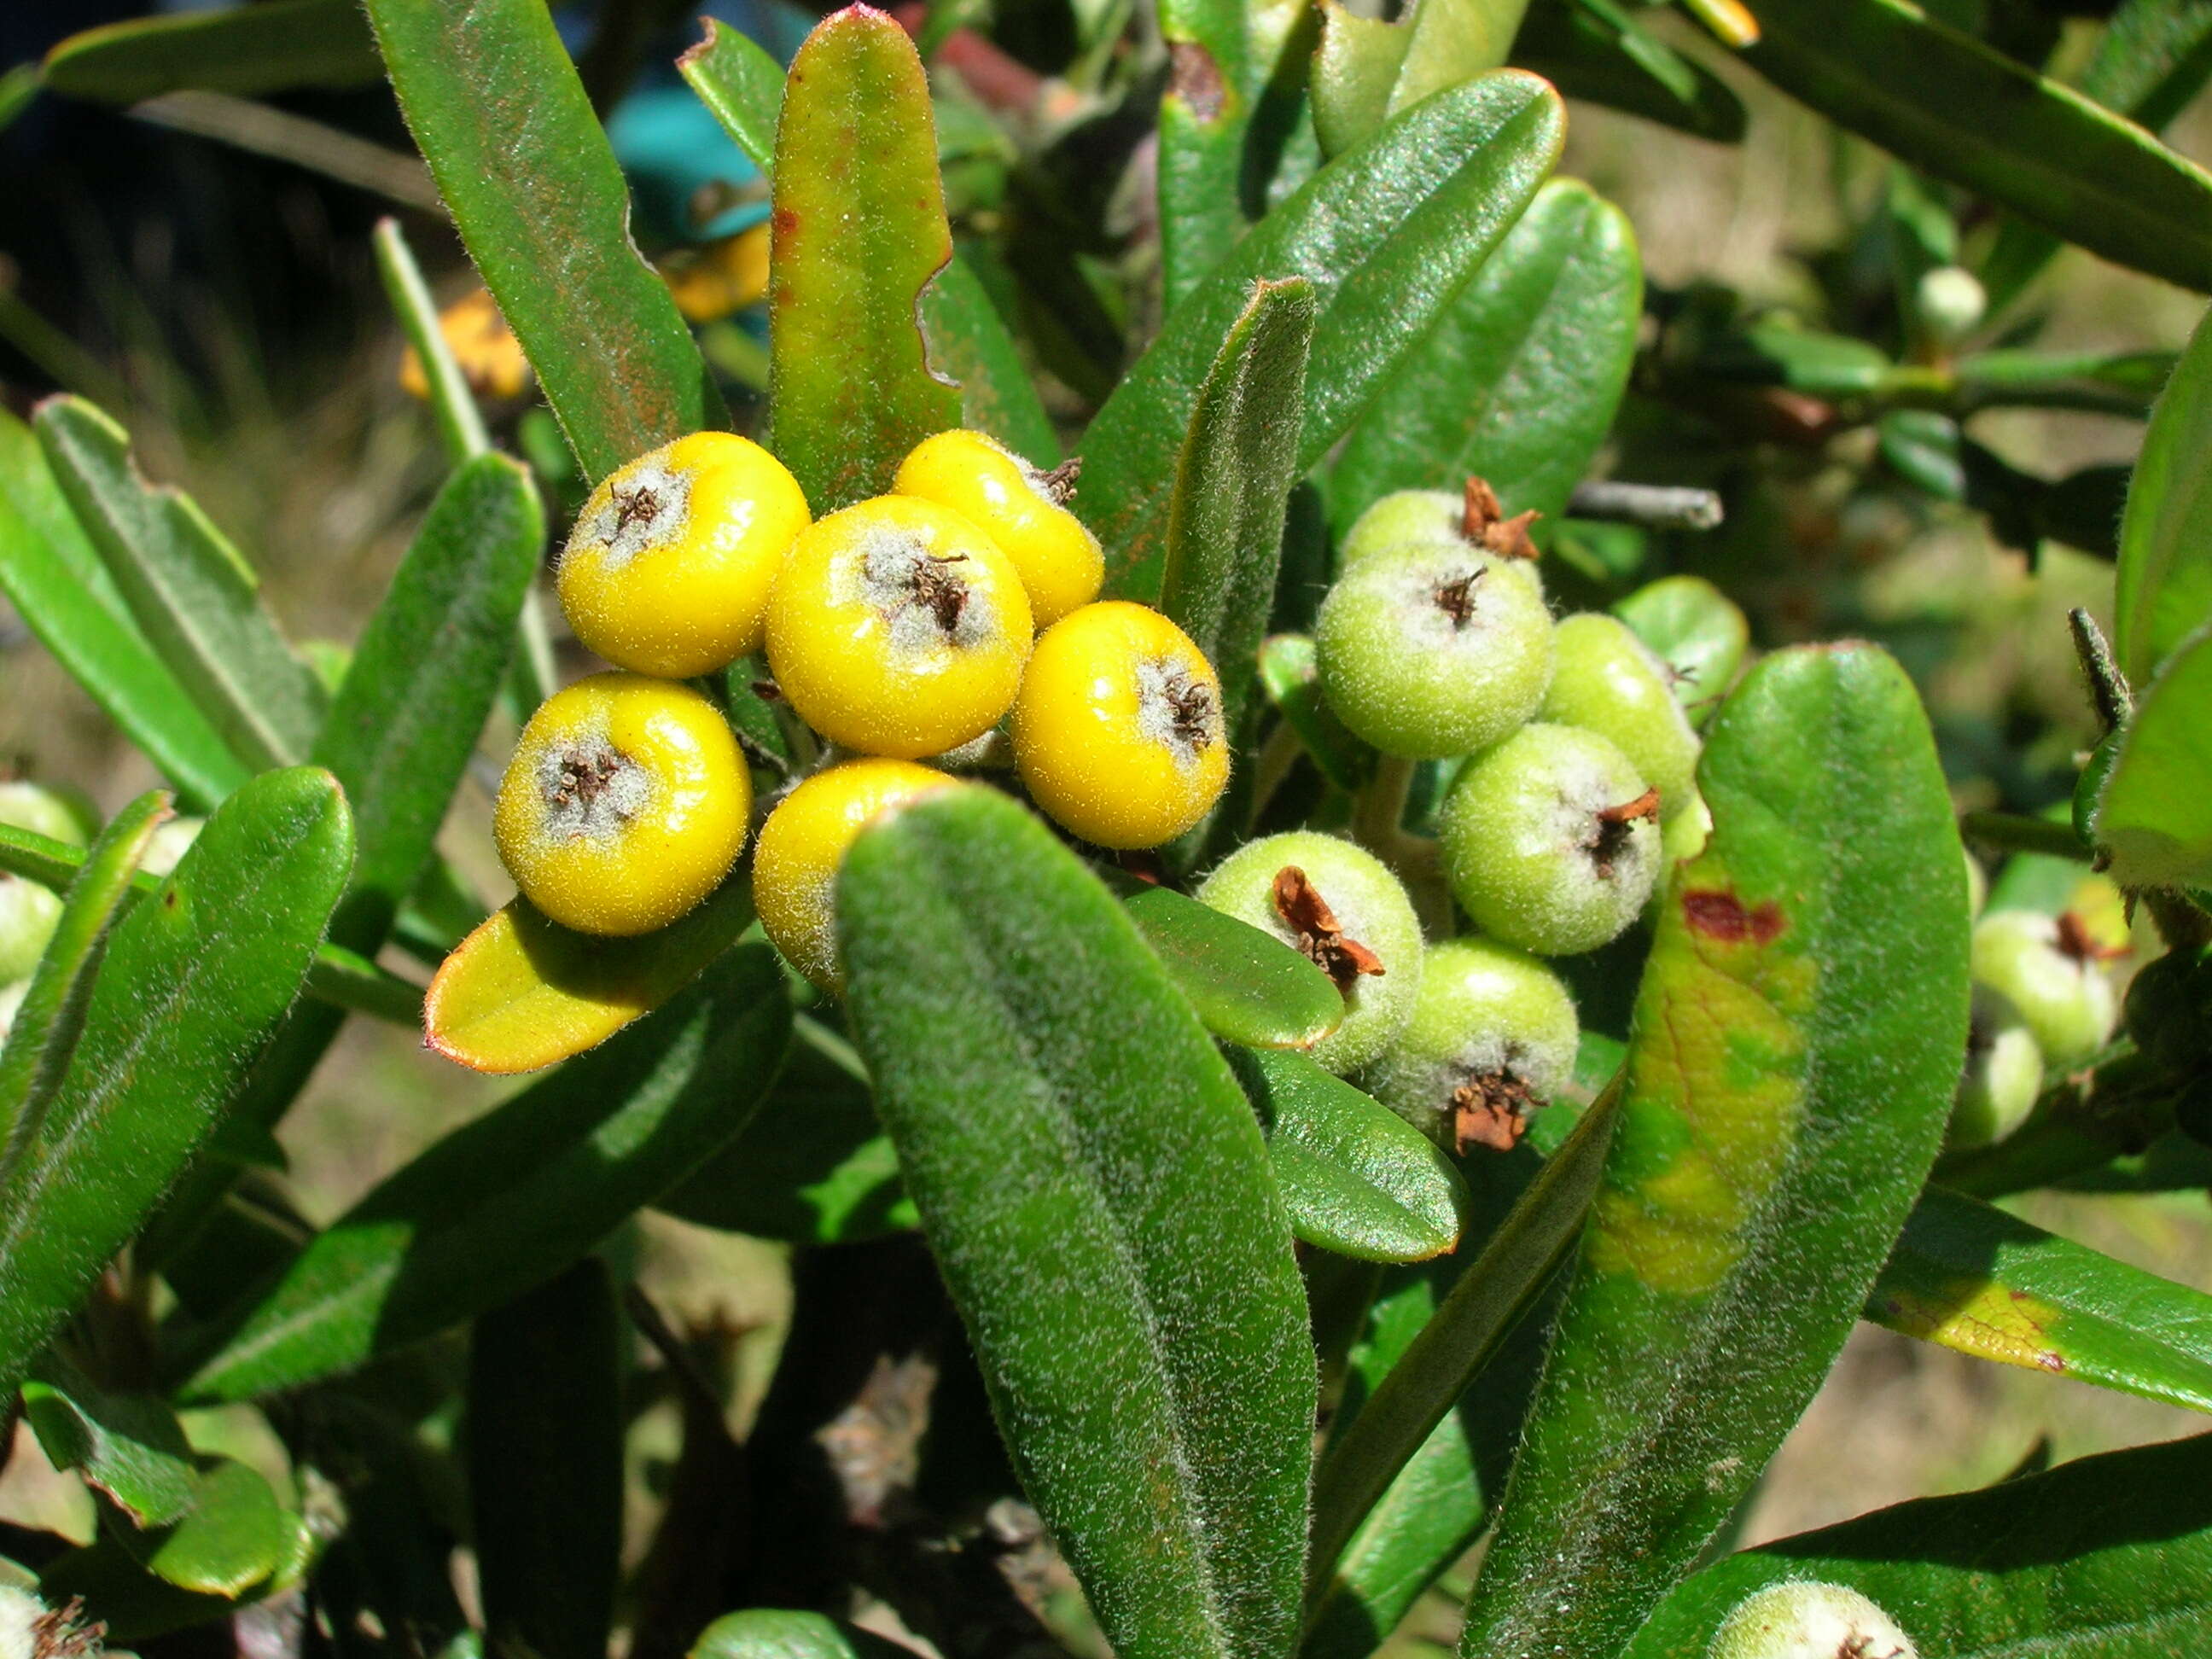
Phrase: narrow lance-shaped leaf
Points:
(422, 677)
(1966, 1275)
(2109, 1557)
(498, 111)
(247, 50)
(2163, 586)
(859, 233)
(1387, 234)
(1942, 100)
(2154, 815)
(522, 992)
(195, 980)
(460, 423)
(1096, 1190)
(1600, 54)
(188, 588)
(546, 1464)
(1785, 1092)
(1206, 110)
(51, 1017)
(58, 585)
(1520, 379)
(741, 85)
(505, 1202)
(1225, 532)
(1246, 986)
(129, 1448)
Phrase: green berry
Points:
(28, 914)
(1420, 518)
(54, 811)
(1977, 883)
(1427, 652)
(1606, 680)
(1364, 934)
(1493, 1037)
(2003, 1076)
(170, 842)
(2043, 966)
(1550, 839)
(1809, 1621)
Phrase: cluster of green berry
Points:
(1570, 767)
(909, 627)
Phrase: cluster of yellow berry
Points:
(902, 629)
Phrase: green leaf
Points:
(499, 113)
(195, 980)
(2109, 382)
(406, 717)
(860, 233)
(1786, 1092)
(51, 1017)
(968, 341)
(1454, 40)
(504, 1202)
(774, 1633)
(1966, 1275)
(1387, 234)
(1519, 381)
(1288, 676)
(274, 47)
(460, 423)
(128, 1447)
(1354, 71)
(236, 1536)
(1600, 54)
(1245, 985)
(1355, 1177)
(741, 85)
(522, 992)
(1232, 484)
(58, 584)
(2105, 1558)
(2155, 818)
(1947, 104)
(188, 588)
(1096, 1191)
(1697, 631)
(1444, 1360)
(813, 1167)
(546, 1464)
(2163, 586)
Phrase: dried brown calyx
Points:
(61, 1632)
(1193, 715)
(1323, 941)
(1485, 523)
(637, 506)
(1059, 484)
(583, 776)
(1610, 839)
(1455, 598)
(2078, 944)
(938, 589)
(1491, 1111)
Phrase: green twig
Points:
(2014, 832)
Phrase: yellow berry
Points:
(1017, 507)
(625, 804)
(1118, 730)
(489, 356)
(898, 628)
(669, 567)
(722, 278)
(804, 843)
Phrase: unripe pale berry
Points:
(2048, 969)
(898, 628)
(29, 915)
(624, 806)
(53, 809)
(1809, 1621)
(1118, 731)
(1462, 519)
(1606, 680)
(2003, 1076)
(1492, 1037)
(1551, 840)
(172, 839)
(1951, 301)
(1339, 904)
(1428, 651)
(1021, 509)
(11, 1001)
(804, 843)
(668, 569)
(1697, 631)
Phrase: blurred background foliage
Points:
(202, 266)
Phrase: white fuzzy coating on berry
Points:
(1529, 850)
(20, 1613)
(2070, 1003)
(1172, 711)
(1370, 906)
(1809, 1621)
(894, 574)
(1432, 651)
(648, 506)
(1484, 1011)
(591, 790)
